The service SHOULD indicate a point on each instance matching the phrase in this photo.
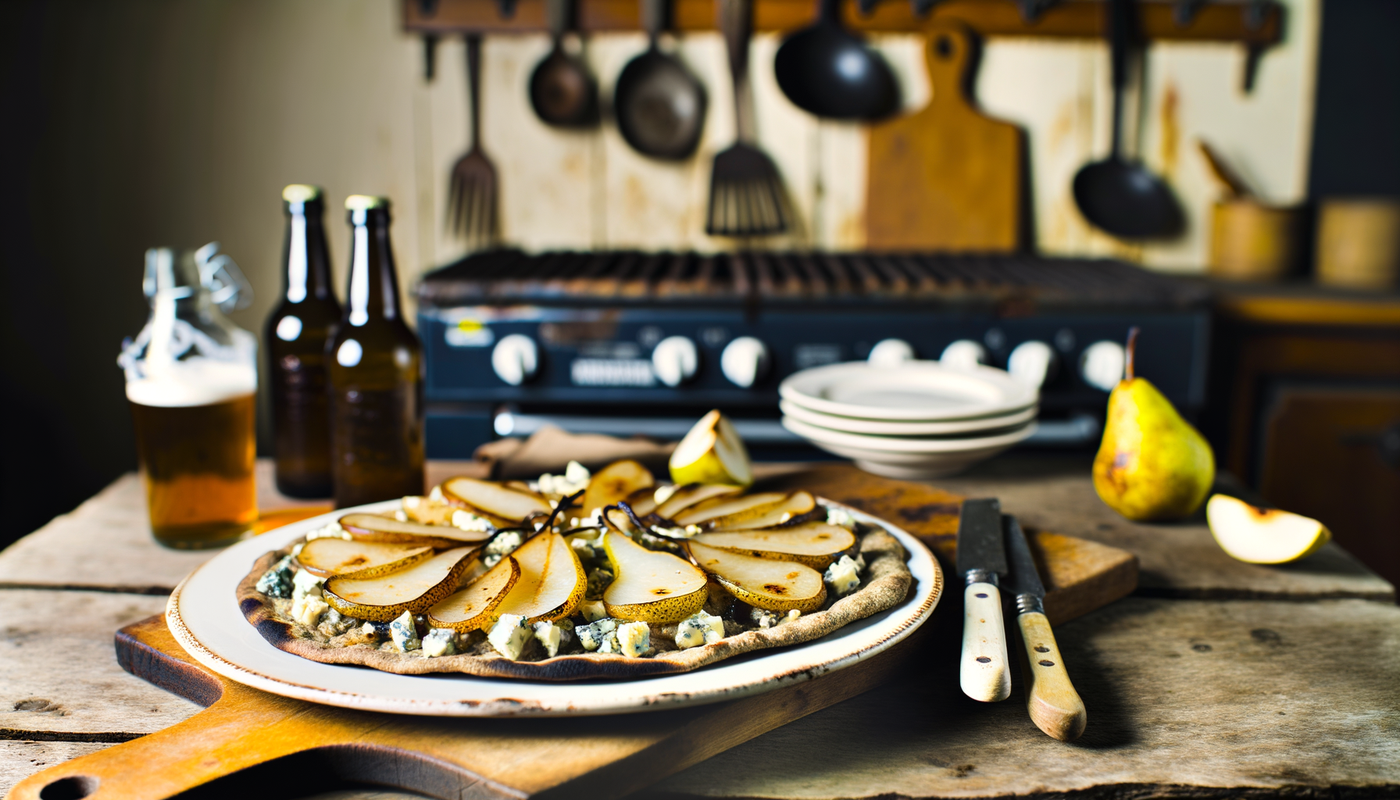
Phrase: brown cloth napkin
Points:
(550, 449)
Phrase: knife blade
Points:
(1054, 705)
(981, 560)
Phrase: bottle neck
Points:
(306, 257)
(374, 285)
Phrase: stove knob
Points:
(963, 354)
(744, 361)
(891, 353)
(1102, 364)
(675, 360)
(1032, 363)
(515, 358)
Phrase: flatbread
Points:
(886, 583)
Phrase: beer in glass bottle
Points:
(296, 336)
(375, 364)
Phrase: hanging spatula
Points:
(746, 191)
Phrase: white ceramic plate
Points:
(880, 427)
(915, 391)
(205, 619)
(908, 459)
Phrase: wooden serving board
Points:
(946, 177)
(246, 740)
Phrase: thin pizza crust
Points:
(886, 583)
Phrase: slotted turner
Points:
(471, 204)
(746, 191)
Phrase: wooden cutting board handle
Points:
(946, 177)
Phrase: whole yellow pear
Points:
(1152, 465)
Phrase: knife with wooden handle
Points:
(1054, 705)
(981, 559)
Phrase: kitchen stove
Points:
(644, 343)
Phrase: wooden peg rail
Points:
(1255, 23)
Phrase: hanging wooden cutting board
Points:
(247, 740)
(946, 177)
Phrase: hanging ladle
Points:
(562, 90)
(826, 70)
(1122, 197)
(660, 105)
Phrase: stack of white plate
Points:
(918, 419)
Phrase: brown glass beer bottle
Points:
(296, 335)
(375, 367)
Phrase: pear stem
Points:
(1132, 347)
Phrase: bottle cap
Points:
(365, 202)
(301, 193)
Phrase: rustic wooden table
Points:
(1215, 679)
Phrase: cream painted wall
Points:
(330, 92)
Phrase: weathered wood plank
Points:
(19, 759)
(59, 678)
(1185, 698)
(1176, 560)
(112, 533)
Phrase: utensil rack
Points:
(1257, 24)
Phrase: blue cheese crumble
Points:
(575, 479)
(592, 610)
(840, 517)
(633, 639)
(277, 582)
(509, 635)
(308, 608)
(501, 546)
(596, 634)
(404, 633)
(663, 493)
(467, 521)
(329, 531)
(844, 575)
(697, 629)
(440, 642)
(765, 619)
(549, 635)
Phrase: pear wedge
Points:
(650, 586)
(815, 544)
(415, 589)
(615, 482)
(762, 582)
(711, 452)
(769, 515)
(551, 583)
(352, 559)
(1263, 535)
(471, 607)
(693, 494)
(496, 499)
(725, 505)
(374, 528)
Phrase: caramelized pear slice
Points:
(642, 502)
(331, 556)
(551, 583)
(815, 544)
(724, 506)
(762, 582)
(693, 494)
(374, 528)
(615, 482)
(650, 586)
(471, 607)
(415, 589)
(429, 511)
(763, 516)
(495, 499)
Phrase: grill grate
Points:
(509, 277)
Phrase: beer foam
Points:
(196, 382)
